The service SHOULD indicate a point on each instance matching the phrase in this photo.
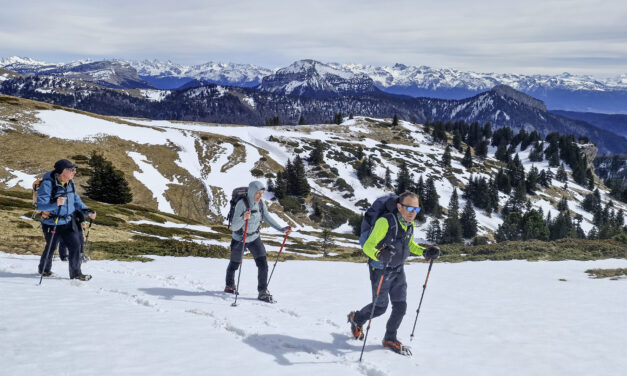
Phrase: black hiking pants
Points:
(394, 289)
(258, 251)
(71, 239)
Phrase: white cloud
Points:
(536, 36)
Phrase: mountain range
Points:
(560, 92)
(307, 89)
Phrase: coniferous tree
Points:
(510, 229)
(302, 121)
(388, 178)
(482, 149)
(420, 189)
(446, 158)
(533, 178)
(589, 179)
(434, 232)
(430, 202)
(302, 187)
(338, 118)
(516, 172)
(467, 160)
(316, 156)
(561, 174)
(280, 185)
(290, 179)
(452, 232)
(469, 221)
(503, 182)
(533, 226)
(403, 181)
(502, 153)
(395, 120)
(106, 183)
(457, 140)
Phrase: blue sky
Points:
(534, 36)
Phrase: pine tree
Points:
(403, 181)
(291, 179)
(430, 202)
(510, 229)
(457, 140)
(302, 121)
(561, 174)
(532, 180)
(106, 183)
(469, 221)
(502, 153)
(395, 120)
(467, 160)
(338, 118)
(316, 156)
(446, 158)
(452, 232)
(388, 178)
(302, 187)
(482, 149)
(502, 182)
(280, 185)
(533, 226)
(420, 189)
(434, 232)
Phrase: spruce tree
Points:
(388, 178)
(302, 187)
(533, 226)
(532, 180)
(395, 120)
(106, 183)
(446, 158)
(403, 181)
(434, 232)
(467, 160)
(430, 202)
(452, 232)
(316, 156)
(482, 149)
(561, 174)
(302, 121)
(469, 221)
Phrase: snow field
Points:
(170, 316)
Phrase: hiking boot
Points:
(397, 347)
(231, 290)
(63, 258)
(46, 274)
(356, 330)
(82, 277)
(265, 296)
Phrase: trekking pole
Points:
(241, 264)
(54, 231)
(374, 304)
(85, 257)
(277, 259)
(424, 287)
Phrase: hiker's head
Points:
(65, 170)
(255, 191)
(408, 206)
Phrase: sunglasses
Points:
(73, 169)
(411, 209)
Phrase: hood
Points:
(254, 187)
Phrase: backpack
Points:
(239, 193)
(37, 184)
(382, 207)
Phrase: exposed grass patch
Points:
(613, 274)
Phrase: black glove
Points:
(385, 254)
(431, 253)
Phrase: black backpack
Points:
(382, 207)
(239, 193)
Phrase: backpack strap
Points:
(392, 230)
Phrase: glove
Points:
(286, 228)
(385, 255)
(431, 253)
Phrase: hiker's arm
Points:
(238, 221)
(378, 233)
(43, 198)
(415, 248)
(79, 205)
(269, 219)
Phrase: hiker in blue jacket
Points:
(57, 196)
(254, 210)
(388, 245)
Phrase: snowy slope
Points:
(169, 317)
(422, 156)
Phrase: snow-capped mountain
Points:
(315, 79)
(114, 74)
(169, 75)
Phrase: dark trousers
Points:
(63, 248)
(258, 251)
(394, 289)
(71, 238)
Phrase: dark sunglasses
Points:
(411, 209)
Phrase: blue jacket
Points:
(47, 203)
(257, 215)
